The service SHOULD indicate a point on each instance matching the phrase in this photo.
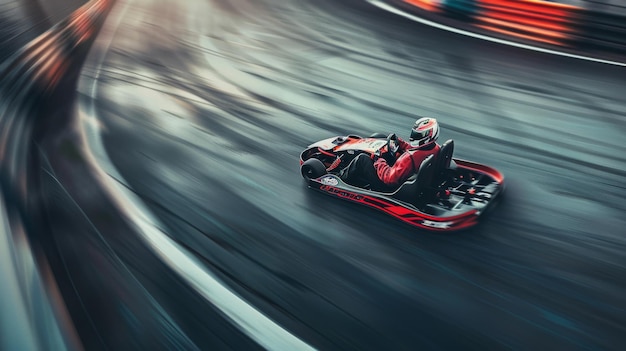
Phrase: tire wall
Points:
(596, 26)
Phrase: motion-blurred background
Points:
(151, 196)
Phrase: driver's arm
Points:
(403, 145)
(397, 174)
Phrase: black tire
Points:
(378, 135)
(312, 168)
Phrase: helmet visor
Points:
(417, 135)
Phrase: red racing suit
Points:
(406, 164)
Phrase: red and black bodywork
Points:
(444, 194)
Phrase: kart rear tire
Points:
(378, 135)
(312, 169)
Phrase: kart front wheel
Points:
(312, 168)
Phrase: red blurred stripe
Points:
(428, 5)
(536, 20)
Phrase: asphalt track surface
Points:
(203, 108)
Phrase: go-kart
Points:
(444, 194)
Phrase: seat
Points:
(417, 189)
(442, 163)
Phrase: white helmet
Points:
(425, 132)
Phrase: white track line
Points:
(392, 9)
(248, 319)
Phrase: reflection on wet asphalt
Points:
(204, 107)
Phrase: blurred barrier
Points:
(45, 59)
(428, 5)
(464, 9)
(601, 30)
(588, 26)
(536, 20)
(32, 315)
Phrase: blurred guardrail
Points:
(580, 24)
(23, 20)
(547, 22)
(603, 25)
(31, 312)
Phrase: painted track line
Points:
(247, 318)
(396, 11)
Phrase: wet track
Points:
(203, 108)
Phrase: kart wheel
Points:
(312, 168)
(378, 135)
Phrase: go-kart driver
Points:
(375, 170)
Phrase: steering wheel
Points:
(392, 144)
(389, 150)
